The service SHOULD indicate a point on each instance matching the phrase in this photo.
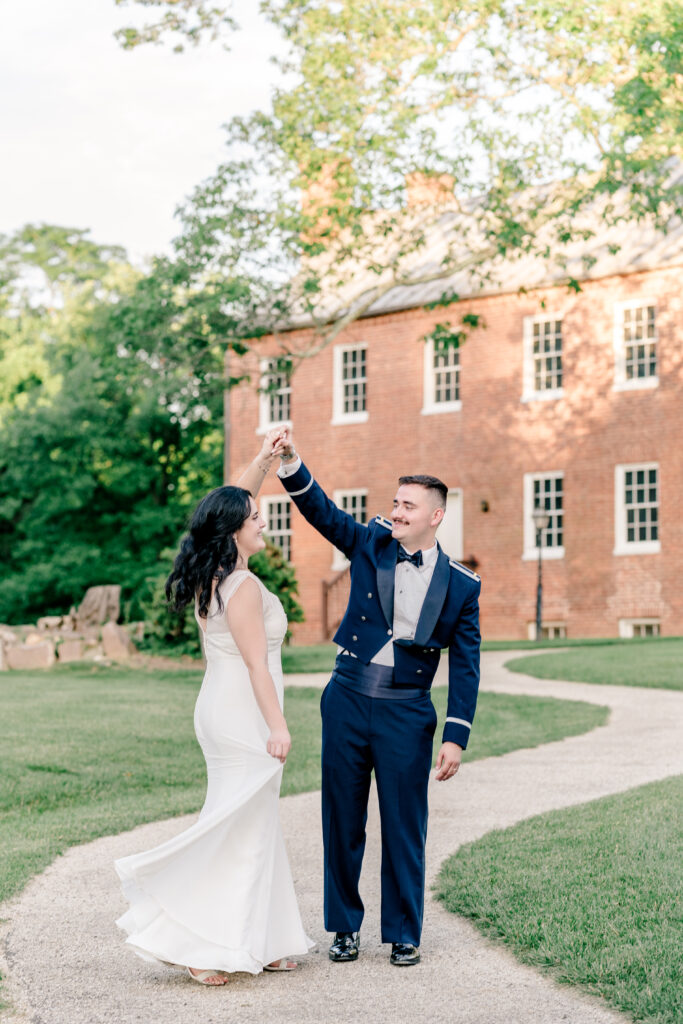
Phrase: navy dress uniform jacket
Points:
(449, 617)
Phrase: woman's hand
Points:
(279, 743)
(273, 444)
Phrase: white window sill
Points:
(437, 407)
(640, 547)
(543, 396)
(637, 384)
(547, 554)
(263, 428)
(349, 417)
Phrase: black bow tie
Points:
(415, 558)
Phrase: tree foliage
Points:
(410, 142)
(102, 452)
(111, 409)
(166, 628)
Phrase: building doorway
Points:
(450, 532)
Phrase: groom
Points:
(408, 601)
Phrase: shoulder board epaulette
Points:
(383, 521)
(464, 570)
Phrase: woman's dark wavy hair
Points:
(208, 552)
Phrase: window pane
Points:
(275, 385)
(548, 495)
(547, 354)
(641, 505)
(446, 376)
(353, 380)
(279, 525)
(639, 341)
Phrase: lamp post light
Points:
(541, 522)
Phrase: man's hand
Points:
(285, 448)
(448, 761)
(273, 443)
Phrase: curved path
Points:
(65, 963)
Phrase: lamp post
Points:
(541, 521)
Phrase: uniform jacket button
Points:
(369, 595)
(419, 671)
(362, 618)
(388, 632)
(354, 637)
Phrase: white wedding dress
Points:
(220, 895)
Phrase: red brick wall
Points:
(487, 446)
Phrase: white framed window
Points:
(549, 630)
(450, 531)
(545, 491)
(355, 502)
(636, 509)
(441, 375)
(350, 384)
(275, 395)
(277, 512)
(628, 628)
(542, 341)
(635, 345)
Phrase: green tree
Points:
(166, 629)
(103, 447)
(523, 126)
(111, 405)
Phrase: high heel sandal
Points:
(282, 965)
(202, 977)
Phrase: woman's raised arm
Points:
(256, 472)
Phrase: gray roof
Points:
(640, 247)
(624, 247)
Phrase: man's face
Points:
(415, 516)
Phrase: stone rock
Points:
(8, 635)
(116, 643)
(100, 604)
(136, 630)
(71, 650)
(33, 638)
(36, 655)
(3, 659)
(50, 622)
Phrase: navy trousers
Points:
(393, 737)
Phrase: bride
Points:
(219, 897)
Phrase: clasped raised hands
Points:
(276, 442)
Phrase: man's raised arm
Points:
(338, 527)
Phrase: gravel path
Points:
(65, 963)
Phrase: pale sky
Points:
(97, 137)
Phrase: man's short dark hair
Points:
(431, 483)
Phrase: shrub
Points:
(178, 632)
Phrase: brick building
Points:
(570, 400)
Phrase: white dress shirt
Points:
(410, 589)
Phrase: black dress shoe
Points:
(404, 955)
(345, 947)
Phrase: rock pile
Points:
(87, 632)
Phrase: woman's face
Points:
(249, 537)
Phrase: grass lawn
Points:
(657, 662)
(311, 658)
(320, 657)
(88, 751)
(593, 894)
